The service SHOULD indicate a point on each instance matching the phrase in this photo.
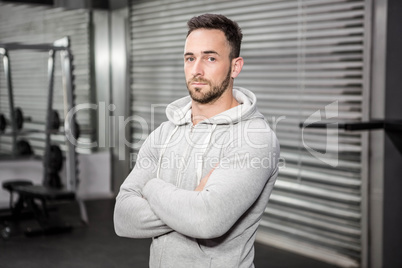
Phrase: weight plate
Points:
(55, 159)
(23, 148)
(19, 118)
(3, 123)
(54, 120)
(77, 131)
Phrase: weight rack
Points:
(42, 192)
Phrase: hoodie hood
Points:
(179, 111)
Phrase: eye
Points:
(189, 59)
(211, 59)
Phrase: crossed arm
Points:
(133, 215)
(148, 207)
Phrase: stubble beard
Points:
(213, 94)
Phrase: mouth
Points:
(198, 84)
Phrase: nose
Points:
(198, 69)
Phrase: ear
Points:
(237, 65)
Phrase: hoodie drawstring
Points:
(163, 151)
(200, 165)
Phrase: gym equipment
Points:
(77, 131)
(19, 119)
(54, 120)
(53, 180)
(16, 115)
(29, 194)
(52, 188)
(56, 159)
(3, 123)
(23, 148)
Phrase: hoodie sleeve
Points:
(133, 216)
(231, 190)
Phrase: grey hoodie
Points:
(215, 227)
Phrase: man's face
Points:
(207, 66)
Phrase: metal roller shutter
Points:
(300, 57)
(33, 24)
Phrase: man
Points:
(203, 179)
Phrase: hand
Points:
(204, 180)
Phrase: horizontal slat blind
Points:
(300, 56)
(35, 24)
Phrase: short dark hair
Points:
(230, 28)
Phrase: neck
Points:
(201, 112)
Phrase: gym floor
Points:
(97, 246)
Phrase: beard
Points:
(213, 94)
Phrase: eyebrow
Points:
(203, 52)
(210, 52)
